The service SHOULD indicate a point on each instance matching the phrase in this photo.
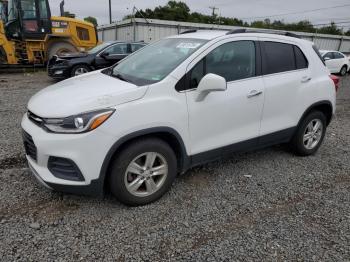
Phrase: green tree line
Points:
(179, 11)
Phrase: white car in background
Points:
(336, 62)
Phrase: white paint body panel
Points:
(222, 118)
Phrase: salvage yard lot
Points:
(267, 204)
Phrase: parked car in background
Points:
(177, 103)
(336, 62)
(102, 56)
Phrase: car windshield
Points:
(154, 62)
(3, 12)
(99, 48)
(12, 10)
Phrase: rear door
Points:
(286, 74)
(223, 119)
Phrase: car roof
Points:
(128, 42)
(213, 34)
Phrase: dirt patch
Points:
(17, 161)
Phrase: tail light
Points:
(336, 81)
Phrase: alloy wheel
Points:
(79, 71)
(146, 174)
(313, 134)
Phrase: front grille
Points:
(64, 168)
(29, 145)
(35, 119)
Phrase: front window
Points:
(98, 48)
(12, 11)
(28, 9)
(154, 62)
(119, 49)
(3, 12)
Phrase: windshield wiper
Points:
(119, 76)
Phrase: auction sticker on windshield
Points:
(188, 45)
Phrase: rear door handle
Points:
(305, 79)
(254, 93)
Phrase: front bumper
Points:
(86, 150)
(58, 72)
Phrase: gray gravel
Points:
(264, 205)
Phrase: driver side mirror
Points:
(326, 59)
(210, 83)
(105, 54)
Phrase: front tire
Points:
(343, 70)
(310, 134)
(143, 172)
(80, 70)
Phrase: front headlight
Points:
(81, 123)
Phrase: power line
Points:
(294, 13)
(338, 23)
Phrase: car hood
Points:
(73, 55)
(81, 94)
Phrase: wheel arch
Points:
(325, 107)
(167, 134)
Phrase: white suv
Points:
(180, 102)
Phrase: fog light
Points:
(59, 72)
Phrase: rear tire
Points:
(60, 48)
(310, 134)
(343, 70)
(143, 172)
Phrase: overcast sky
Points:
(230, 8)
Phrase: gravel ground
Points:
(265, 205)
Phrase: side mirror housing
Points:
(210, 83)
(326, 59)
(104, 54)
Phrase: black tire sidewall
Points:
(341, 71)
(79, 66)
(298, 142)
(121, 162)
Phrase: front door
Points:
(112, 55)
(223, 119)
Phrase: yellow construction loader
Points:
(29, 35)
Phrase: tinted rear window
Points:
(337, 55)
(300, 59)
(279, 57)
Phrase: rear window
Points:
(279, 57)
(337, 55)
(318, 54)
(300, 59)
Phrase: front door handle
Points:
(254, 93)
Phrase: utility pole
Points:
(213, 8)
(110, 11)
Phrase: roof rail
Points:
(243, 30)
(189, 31)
